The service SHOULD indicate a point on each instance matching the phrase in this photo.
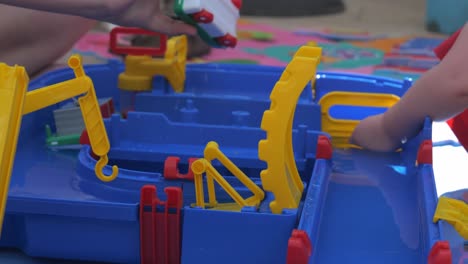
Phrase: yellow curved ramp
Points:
(13, 88)
(281, 176)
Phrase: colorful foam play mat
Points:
(343, 50)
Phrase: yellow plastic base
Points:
(454, 212)
(140, 70)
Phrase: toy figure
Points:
(441, 93)
(196, 45)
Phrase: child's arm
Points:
(37, 39)
(135, 13)
(440, 93)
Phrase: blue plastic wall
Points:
(314, 202)
(211, 236)
(364, 207)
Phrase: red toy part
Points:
(444, 48)
(203, 17)
(84, 140)
(138, 51)
(160, 226)
(459, 126)
(299, 248)
(171, 169)
(237, 3)
(107, 110)
(440, 253)
(227, 40)
(324, 148)
(425, 152)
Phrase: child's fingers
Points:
(166, 25)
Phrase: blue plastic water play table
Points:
(380, 205)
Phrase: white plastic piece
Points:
(225, 16)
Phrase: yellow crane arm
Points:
(56, 93)
(81, 85)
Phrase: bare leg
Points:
(35, 39)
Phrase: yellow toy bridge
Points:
(16, 101)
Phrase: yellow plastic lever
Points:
(281, 176)
(201, 166)
(94, 124)
(13, 88)
(81, 85)
(139, 70)
(455, 212)
(341, 130)
(40, 98)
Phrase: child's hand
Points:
(370, 134)
(145, 14)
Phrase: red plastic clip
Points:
(425, 152)
(171, 169)
(160, 226)
(299, 248)
(440, 253)
(324, 148)
(139, 51)
(107, 110)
